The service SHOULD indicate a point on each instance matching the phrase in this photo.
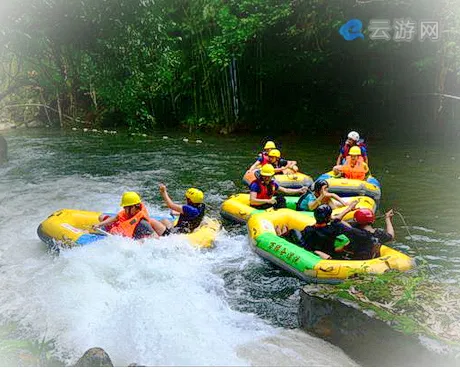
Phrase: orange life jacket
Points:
(358, 171)
(125, 225)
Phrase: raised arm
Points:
(339, 159)
(349, 208)
(338, 199)
(315, 203)
(255, 165)
(164, 193)
(389, 223)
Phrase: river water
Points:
(163, 302)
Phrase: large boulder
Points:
(3, 150)
(369, 337)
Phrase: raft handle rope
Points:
(415, 246)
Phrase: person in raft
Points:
(190, 215)
(320, 238)
(264, 190)
(365, 240)
(318, 196)
(133, 221)
(354, 166)
(352, 140)
(281, 164)
(262, 158)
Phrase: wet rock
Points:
(3, 150)
(35, 124)
(97, 357)
(7, 125)
(94, 357)
(364, 336)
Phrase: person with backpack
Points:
(318, 196)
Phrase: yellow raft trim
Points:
(67, 225)
(344, 185)
(286, 179)
(320, 269)
(237, 207)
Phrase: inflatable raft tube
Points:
(66, 228)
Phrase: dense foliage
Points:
(227, 64)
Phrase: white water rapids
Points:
(160, 302)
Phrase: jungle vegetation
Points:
(228, 65)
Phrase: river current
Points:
(163, 302)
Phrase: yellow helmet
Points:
(130, 199)
(269, 145)
(194, 195)
(274, 153)
(355, 151)
(267, 170)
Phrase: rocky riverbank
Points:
(390, 320)
(8, 125)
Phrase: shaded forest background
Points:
(228, 66)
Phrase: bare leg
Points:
(158, 226)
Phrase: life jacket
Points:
(264, 156)
(358, 171)
(346, 147)
(266, 191)
(186, 224)
(125, 225)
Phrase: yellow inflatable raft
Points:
(307, 265)
(352, 187)
(236, 208)
(288, 180)
(69, 227)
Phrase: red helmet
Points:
(364, 216)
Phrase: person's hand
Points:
(272, 201)
(162, 188)
(389, 214)
(304, 190)
(353, 204)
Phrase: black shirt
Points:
(362, 241)
(323, 238)
(281, 163)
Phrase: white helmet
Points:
(354, 135)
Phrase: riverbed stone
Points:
(7, 126)
(366, 338)
(35, 124)
(94, 357)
